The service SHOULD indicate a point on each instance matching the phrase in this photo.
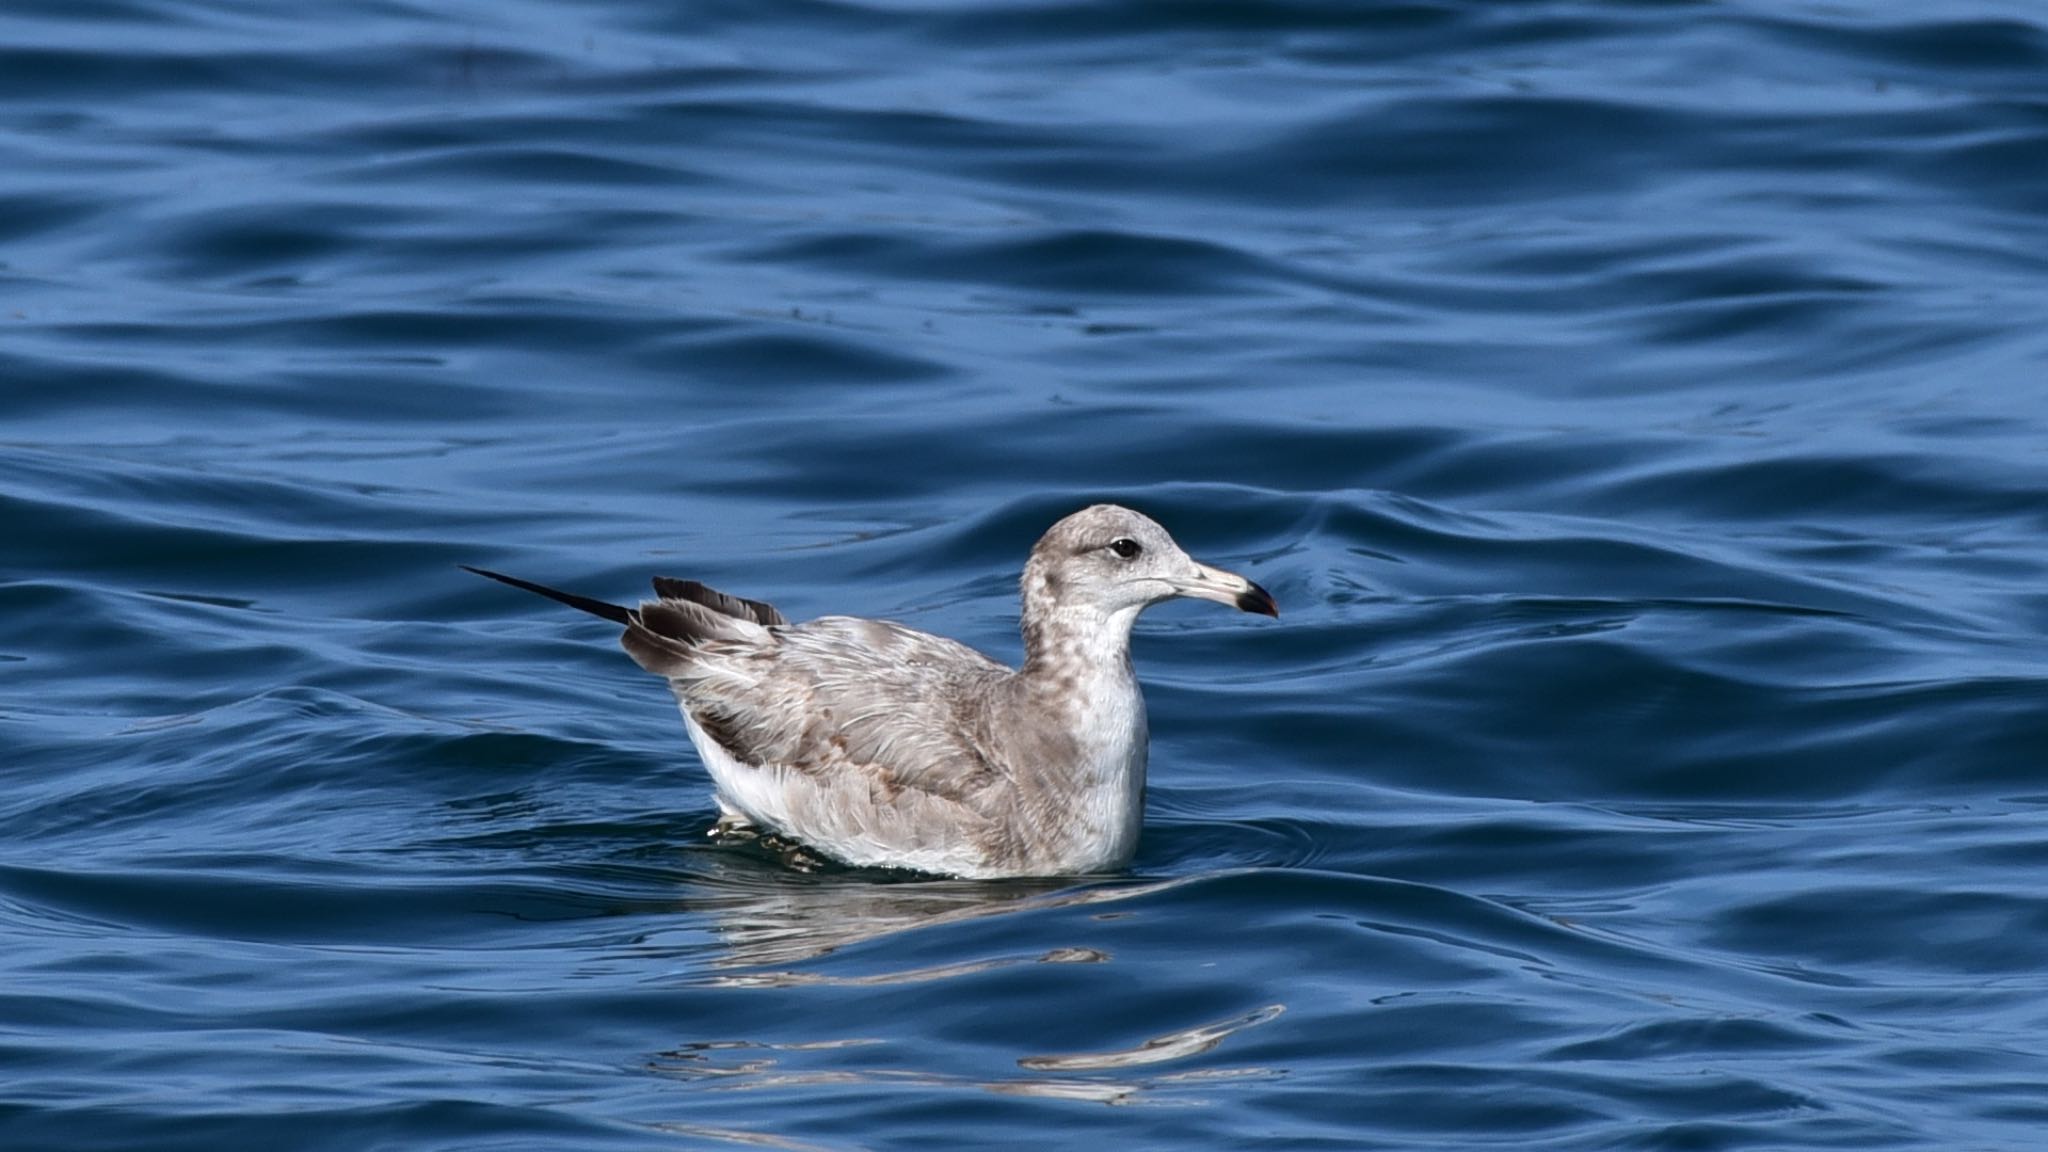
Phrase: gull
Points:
(880, 746)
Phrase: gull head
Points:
(1115, 560)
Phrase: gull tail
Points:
(611, 612)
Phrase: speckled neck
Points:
(1070, 641)
(1076, 708)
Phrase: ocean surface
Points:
(1639, 410)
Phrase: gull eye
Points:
(1125, 548)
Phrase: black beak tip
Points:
(1257, 599)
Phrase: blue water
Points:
(1640, 411)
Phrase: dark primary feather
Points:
(670, 588)
(662, 635)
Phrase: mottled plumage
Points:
(879, 745)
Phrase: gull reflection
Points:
(766, 918)
(754, 1066)
(1159, 1049)
(766, 925)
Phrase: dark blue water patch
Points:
(1745, 736)
(316, 1126)
(803, 359)
(117, 73)
(2003, 171)
(24, 216)
(194, 899)
(1933, 50)
(236, 242)
(1004, 26)
(1824, 487)
(441, 328)
(1530, 146)
(1975, 933)
(545, 167)
(210, 558)
(1066, 263)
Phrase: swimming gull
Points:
(881, 746)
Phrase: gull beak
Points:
(1226, 588)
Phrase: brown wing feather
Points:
(846, 696)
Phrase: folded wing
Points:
(841, 701)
